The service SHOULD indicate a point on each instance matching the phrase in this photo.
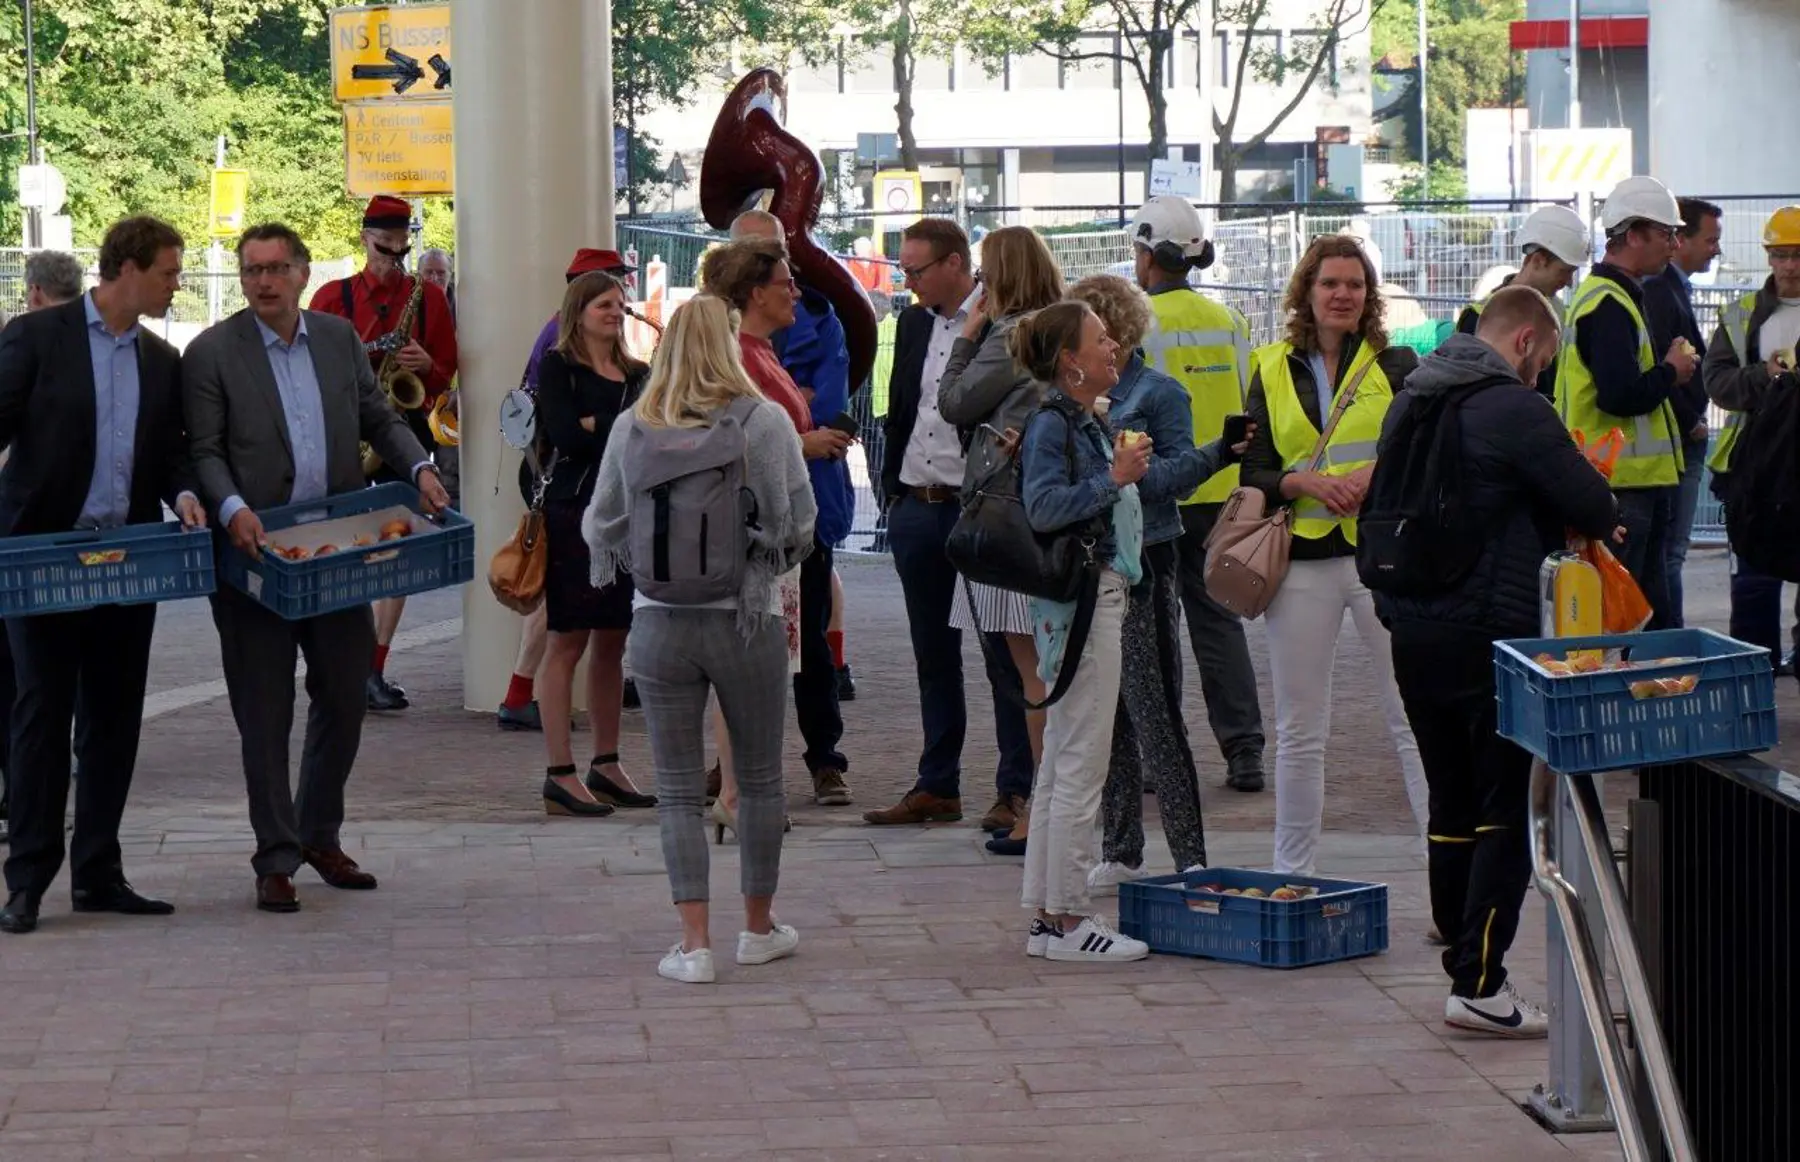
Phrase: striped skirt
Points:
(998, 610)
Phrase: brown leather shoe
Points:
(277, 894)
(1004, 813)
(916, 807)
(338, 869)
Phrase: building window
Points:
(1097, 73)
(1030, 71)
(1306, 47)
(820, 78)
(1222, 45)
(872, 72)
(1264, 48)
(931, 74)
(972, 75)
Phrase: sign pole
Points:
(215, 256)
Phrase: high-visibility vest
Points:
(1734, 320)
(1651, 457)
(1352, 445)
(1205, 347)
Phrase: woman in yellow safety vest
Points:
(1335, 351)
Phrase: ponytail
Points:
(1039, 339)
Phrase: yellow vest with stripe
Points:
(1205, 347)
(1352, 445)
(1651, 457)
(1734, 320)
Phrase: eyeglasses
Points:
(273, 269)
(914, 273)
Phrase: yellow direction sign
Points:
(407, 150)
(230, 195)
(387, 53)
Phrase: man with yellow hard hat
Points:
(1609, 377)
(1753, 344)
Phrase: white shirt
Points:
(1781, 330)
(934, 452)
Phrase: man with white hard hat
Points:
(1553, 246)
(1609, 377)
(1205, 347)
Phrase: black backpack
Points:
(1416, 534)
(1762, 490)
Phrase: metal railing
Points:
(1568, 826)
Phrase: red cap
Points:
(586, 260)
(385, 213)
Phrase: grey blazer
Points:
(238, 430)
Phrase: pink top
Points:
(767, 373)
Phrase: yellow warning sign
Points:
(230, 196)
(404, 149)
(384, 52)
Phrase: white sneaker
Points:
(694, 967)
(1094, 940)
(1037, 941)
(1106, 876)
(1505, 1014)
(780, 941)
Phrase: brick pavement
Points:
(497, 997)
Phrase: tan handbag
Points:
(516, 574)
(1247, 550)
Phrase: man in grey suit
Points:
(276, 400)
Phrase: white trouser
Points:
(1077, 747)
(1303, 624)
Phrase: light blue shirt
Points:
(115, 359)
(297, 382)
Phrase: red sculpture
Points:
(749, 152)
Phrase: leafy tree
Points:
(1300, 63)
(1469, 66)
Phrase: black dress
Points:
(568, 392)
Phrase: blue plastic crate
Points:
(1345, 920)
(65, 572)
(436, 556)
(1581, 723)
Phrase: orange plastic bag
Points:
(1623, 606)
(1604, 454)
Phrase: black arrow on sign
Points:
(403, 70)
(441, 67)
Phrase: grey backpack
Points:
(691, 513)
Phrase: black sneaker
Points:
(846, 685)
(1245, 774)
(384, 695)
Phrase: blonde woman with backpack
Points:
(704, 498)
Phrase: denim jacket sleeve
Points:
(1053, 500)
(1177, 467)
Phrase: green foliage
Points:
(1470, 65)
(1449, 182)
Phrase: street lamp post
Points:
(34, 225)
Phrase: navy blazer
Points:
(47, 424)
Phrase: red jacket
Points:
(375, 309)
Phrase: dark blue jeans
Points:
(1648, 514)
(1756, 609)
(1681, 527)
(917, 532)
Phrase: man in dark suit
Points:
(1669, 311)
(90, 414)
(921, 477)
(277, 399)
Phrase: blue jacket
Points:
(814, 353)
(1146, 400)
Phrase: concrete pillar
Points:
(534, 182)
(1715, 78)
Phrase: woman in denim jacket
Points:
(1149, 735)
(1065, 348)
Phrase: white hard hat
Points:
(1639, 199)
(1559, 230)
(1167, 219)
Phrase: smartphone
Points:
(846, 423)
(1237, 429)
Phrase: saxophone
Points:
(404, 390)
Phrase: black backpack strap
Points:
(423, 313)
(1085, 605)
(349, 296)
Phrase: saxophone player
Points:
(375, 301)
